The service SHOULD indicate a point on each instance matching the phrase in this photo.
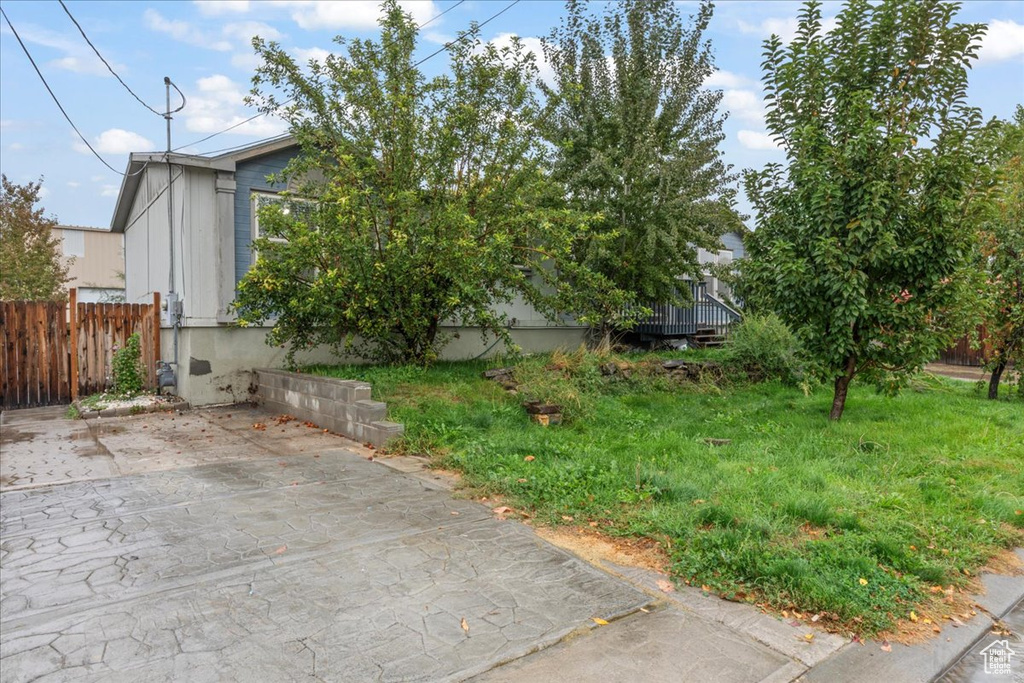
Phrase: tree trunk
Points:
(842, 385)
(993, 383)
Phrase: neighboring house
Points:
(97, 262)
(211, 203)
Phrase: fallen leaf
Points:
(886, 647)
(705, 588)
(567, 518)
(503, 510)
(454, 513)
(936, 629)
(809, 637)
(665, 586)
(281, 550)
(863, 582)
(593, 524)
(913, 617)
(785, 614)
(816, 617)
(927, 620)
(599, 621)
(465, 626)
(521, 481)
(529, 458)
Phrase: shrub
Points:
(765, 348)
(127, 368)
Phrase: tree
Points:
(636, 139)
(430, 199)
(864, 237)
(1002, 250)
(31, 263)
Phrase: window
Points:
(73, 242)
(290, 205)
(296, 206)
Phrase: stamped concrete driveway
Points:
(224, 545)
(270, 564)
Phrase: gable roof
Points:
(139, 161)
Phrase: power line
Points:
(56, 101)
(438, 16)
(466, 34)
(105, 63)
(461, 37)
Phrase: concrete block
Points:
(371, 411)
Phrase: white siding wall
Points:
(147, 239)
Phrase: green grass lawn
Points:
(859, 520)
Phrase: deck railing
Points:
(706, 313)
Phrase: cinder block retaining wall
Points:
(340, 405)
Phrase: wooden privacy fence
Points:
(54, 352)
(962, 353)
(97, 330)
(34, 367)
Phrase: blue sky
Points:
(204, 47)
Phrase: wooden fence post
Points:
(73, 345)
(156, 334)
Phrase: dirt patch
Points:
(951, 606)
(594, 546)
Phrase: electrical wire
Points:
(447, 45)
(56, 101)
(438, 16)
(106, 63)
(466, 34)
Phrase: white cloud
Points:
(116, 141)
(756, 140)
(213, 8)
(245, 30)
(16, 146)
(744, 105)
(727, 79)
(183, 31)
(355, 14)
(784, 27)
(78, 58)
(1004, 40)
(303, 55)
(44, 192)
(74, 184)
(109, 191)
(546, 73)
(219, 104)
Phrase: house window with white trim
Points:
(297, 206)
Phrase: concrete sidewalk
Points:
(227, 545)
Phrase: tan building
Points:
(97, 268)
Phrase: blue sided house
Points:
(189, 222)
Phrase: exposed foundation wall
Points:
(215, 364)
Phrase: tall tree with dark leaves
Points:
(32, 266)
(431, 203)
(636, 138)
(1002, 255)
(864, 236)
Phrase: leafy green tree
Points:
(1002, 250)
(864, 236)
(32, 266)
(431, 200)
(636, 140)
